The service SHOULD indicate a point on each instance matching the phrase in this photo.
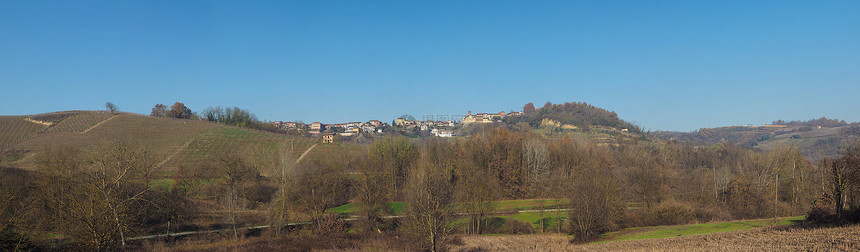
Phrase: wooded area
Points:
(97, 198)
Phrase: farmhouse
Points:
(328, 138)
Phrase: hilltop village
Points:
(439, 128)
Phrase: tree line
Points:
(233, 116)
(579, 114)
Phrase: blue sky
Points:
(666, 65)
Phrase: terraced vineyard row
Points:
(78, 122)
(160, 135)
(174, 142)
(16, 129)
(225, 140)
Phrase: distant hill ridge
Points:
(815, 138)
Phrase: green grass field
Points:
(637, 233)
(529, 204)
(351, 208)
(550, 219)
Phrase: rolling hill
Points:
(173, 142)
(814, 141)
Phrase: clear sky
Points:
(665, 65)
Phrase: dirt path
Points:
(169, 157)
(305, 153)
(98, 124)
(38, 122)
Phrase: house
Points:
(351, 129)
(328, 137)
(444, 133)
(368, 128)
(316, 128)
(375, 123)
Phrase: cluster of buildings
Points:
(440, 128)
(437, 128)
(487, 117)
(349, 129)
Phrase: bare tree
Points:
(431, 197)
(100, 199)
(112, 108)
(372, 195)
(536, 160)
(19, 215)
(594, 199)
(318, 187)
(844, 176)
(476, 191)
(396, 155)
(282, 172)
(234, 175)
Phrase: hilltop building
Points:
(484, 117)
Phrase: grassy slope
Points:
(814, 143)
(637, 233)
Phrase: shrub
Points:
(499, 225)
(330, 226)
(671, 212)
(516, 227)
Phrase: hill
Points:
(572, 115)
(814, 138)
(173, 142)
